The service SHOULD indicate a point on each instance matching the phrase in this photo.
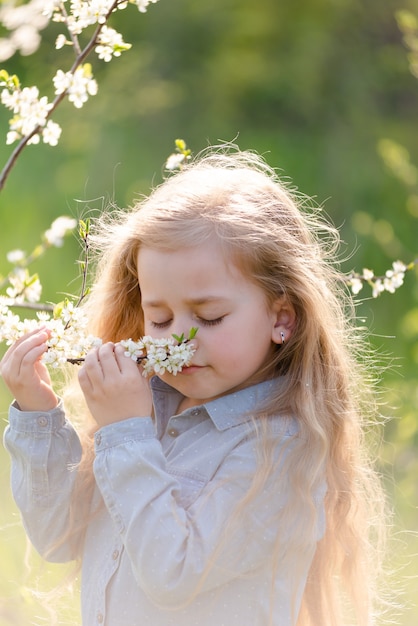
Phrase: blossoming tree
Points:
(32, 121)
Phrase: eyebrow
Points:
(155, 304)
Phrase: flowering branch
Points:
(158, 355)
(84, 230)
(32, 114)
(392, 280)
(69, 341)
(22, 288)
(181, 155)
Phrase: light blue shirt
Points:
(154, 554)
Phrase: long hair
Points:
(287, 248)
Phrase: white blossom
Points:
(16, 256)
(356, 285)
(33, 291)
(394, 278)
(50, 7)
(11, 137)
(86, 13)
(68, 338)
(43, 316)
(70, 341)
(368, 274)
(23, 287)
(30, 112)
(399, 266)
(51, 133)
(179, 355)
(143, 4)
(159, 355)
(174, 161)
(59, 228)
(78, 85)
(133, 349)
(378, 288)
(8, 99)
(110, 43)
(11, 327)
(23, 21)
(60, 41)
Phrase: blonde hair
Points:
(288, 249)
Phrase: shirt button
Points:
(196, 412)
(43, 421)
(115, 554)
(173, 432)
(98, 440)
(100, 618)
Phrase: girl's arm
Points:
(45, 451)
(44, 448)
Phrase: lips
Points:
(189, 369)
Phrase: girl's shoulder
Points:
(250, 409)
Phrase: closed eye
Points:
(200, 320)
(160, 324)
(214, 322)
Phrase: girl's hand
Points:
(26, 376)
(113, 386)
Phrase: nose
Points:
(186, 336)
(184, 329)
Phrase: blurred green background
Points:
(315, 86)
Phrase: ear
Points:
(284, 321)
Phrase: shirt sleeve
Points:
(45, 451)
(177, 551)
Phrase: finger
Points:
(90, 373)
(84, 380)
(30, 336)
(25, 352)
(108, 361)
(31, 356)
(18, 343)
(125, 364)
(99, 364)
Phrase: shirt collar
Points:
(225, 412)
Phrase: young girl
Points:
(238, 492)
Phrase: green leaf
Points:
(122, 47)
(180, 145)
(58, 309)
(11, 82)
(182, 339)
(4, 77)
(31, 280)
(406, 20)
(84, 228)
(38, 251)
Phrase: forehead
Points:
(199, 273)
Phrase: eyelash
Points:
(160, 324)
(214, 322)
(202, 321)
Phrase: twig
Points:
(81, 360)
(32, 306)
(81, 56)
